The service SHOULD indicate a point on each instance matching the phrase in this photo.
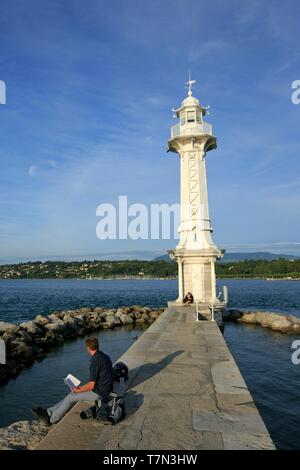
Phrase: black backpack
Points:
(111, 412)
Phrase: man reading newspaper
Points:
(100, 384)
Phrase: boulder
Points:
(95, 325)
(85, 310)
(145, 317)
(9, 328)
(32, 328)
(80, 320)
(110, 319)
(50, 338)
(8, 337)
(81, 332)
(70, 313)
(59, 338)
(23, 352)
(59, 326)
(146, 310)
(54, 317)
(136, 308)
(58, 314)
(261, 317)
(97, 318)
(106, 325)
(98, 310)
(154, 314)
(25, 336)
(268, 318)
(248, 318)
(22, 435)
(108, 312)
(235, 314)
(125, 308)
(118, 322)
(126, 319)
(41, 343)
(293, 319)
(71, 323)
(281, 325)
(12, 345)
(40, 320)
(120, 312)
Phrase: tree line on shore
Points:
(279, 268)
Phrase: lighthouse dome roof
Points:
(190, 101)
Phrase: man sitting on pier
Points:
(100, 384)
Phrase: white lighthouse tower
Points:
(196, 252)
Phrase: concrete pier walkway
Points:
(185, 391)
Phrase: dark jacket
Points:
(188, 298)
(102, 373)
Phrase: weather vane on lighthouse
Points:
(190, 84)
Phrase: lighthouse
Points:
(196, 253)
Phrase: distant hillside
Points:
(236, 257)
(113, 256)
(137, 269)
(259, 255)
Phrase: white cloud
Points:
(42, 169)
(33, 170)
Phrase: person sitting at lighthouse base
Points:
(189, 299)
(100, 384)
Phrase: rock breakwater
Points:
(276, 321)
(30, 341)
(23, 435)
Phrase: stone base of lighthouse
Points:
(196, 274)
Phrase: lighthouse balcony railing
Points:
(197, 129)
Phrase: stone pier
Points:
(184, 391)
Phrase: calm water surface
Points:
(263, 356)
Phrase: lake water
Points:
(263, 356)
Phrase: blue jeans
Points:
(57, 411)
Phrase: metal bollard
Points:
(225, 294)
(2, 352)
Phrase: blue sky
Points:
(90, 87)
